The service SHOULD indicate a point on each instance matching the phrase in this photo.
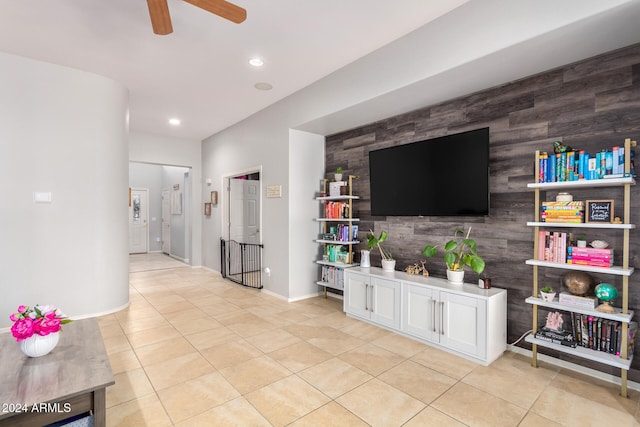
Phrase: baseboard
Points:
(575, 367)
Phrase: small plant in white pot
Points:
(388, 263)
(459, 252)
(547, 293)
(338, 174)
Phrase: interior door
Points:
(138, 221)
(166, 221)
(251, 211)
(244, 211)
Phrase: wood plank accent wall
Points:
(592, 104)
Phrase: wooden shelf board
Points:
(330, 285)
(337, 264)
(619, 317)
(615, 270)
(337, 198)
(580, 225)
(585, 353)
(584, 183)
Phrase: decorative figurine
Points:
(554, 321)
(559, 147)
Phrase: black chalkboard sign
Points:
(599, 211)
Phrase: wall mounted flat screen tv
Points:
(445, 176)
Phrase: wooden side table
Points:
(69, 381)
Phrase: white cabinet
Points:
(465, 320)
(455, 321)
(373, 298)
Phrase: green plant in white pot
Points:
(459, 252)
(338, 174)
(388, 263)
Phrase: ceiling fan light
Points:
(256, 62)
(174, 122)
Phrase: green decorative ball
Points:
(606, 292)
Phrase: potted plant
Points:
(547, 293)
(338, 174)
(388, 263)
(459, 252)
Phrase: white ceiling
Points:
(200, 72)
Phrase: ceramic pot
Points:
(388, 265)
(455, 277)
(547, 296)
(337, 177)
(38, 345)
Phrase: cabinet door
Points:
(385, 306)
(420, 312)
(356, 295)
(464, 321)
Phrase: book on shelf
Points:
(581, 165)
(332, 276)
(556, 337)
(601, 334)
(577, 301)
(336, 210)
(590, 256)
(552, 246)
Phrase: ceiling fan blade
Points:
(222, 8)
(160, 18)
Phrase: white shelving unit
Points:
(623, 315)
(326, 223)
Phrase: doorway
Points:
(241, 251)
(138, 220)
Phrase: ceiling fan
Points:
(161, 20)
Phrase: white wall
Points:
(170, 151)
(306, 170)
(62, 131)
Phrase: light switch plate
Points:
(42, 197)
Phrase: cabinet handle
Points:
(442, 317)
(366, 297)
(434, 315)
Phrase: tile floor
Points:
(195, 350)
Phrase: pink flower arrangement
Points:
(39, 319)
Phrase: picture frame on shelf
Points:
(600, 211)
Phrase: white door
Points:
(166, 221)
(356, 295)
(463, 325)
(244, 211)
(138, 221)
(420, 312)
(252, 211)
(385, 302)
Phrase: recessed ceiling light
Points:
(256, 62)
(263, 86)
(174, 122)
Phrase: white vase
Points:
(38, 345)
(455, 277)
(337, 176)
(388, 265)
(364, 259)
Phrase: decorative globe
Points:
(606, 292)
